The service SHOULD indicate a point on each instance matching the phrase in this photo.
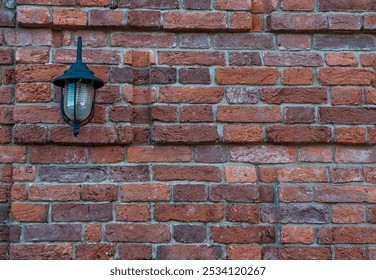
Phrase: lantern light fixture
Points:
(78, 89)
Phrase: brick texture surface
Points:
(225, 130)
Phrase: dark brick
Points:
(211, 154)
(235, 193)
(81, 212)
(197, 4)
(72, 174)
(53, 232)
(163, 75)
(295, 214)
(190, 193)
(121, 75)
(130, 173)
(245, 58)
(189, 252)
(194, 76)
(190, 233)
(244, 41)
(195, 41)
(345, 42)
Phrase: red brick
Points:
(302, 174)
(144, 19)
(139, 58)
(234, 5)
(243, 213)
(95, 251)
(299, 115)
(267, 174)
(298, 76)
(191, 94)
(345, 174)
(88, 135)
(295, 193)
(30, 16)
(69, 17)
(242, 76)
(341, 59)
(345, 22)
(371, 135)
(340, 76)
(264, 6)
(95, 3)
(189, 212)
(110, 154)
(370, 22)
(298, 134)
(93, 232)
(7, 18)
(145, 192)
(297, 234)
(56, 154)
(189, 252)
(135, 252)
(6, 95)
(5, 135)
(263, 154)
(370, 95)
(47, 2)
(347, 5)
(191, 58)
(92, 38)
(346, 234)
(294, 95)
(29, 212)
(237, 234)
(133, 212)
(196, 113)
(164, 113)
(142, 40)
(294, 42)
(153, 233)
(6, 115)
(242, 134)
(348, 214)
(298, 22)
(345, 194)
(241, 21)
(6, 56)
(18, 192)
(243, 252)
(297, 5)
(350, 135)
(240, 174)
(304, 253)
(159, 154)
(248, 114)
(38, 73)
(41, 252)
(190, 193)
(368, 60)
(12, 154)
(346, 96)
(5, 194)
(187, 173)
(197, 21)
(99, 192)
(36, 114)
(30, 134)
(186, 134)
(69, 212)
(107, 18)
(351, 253)
(24, 173)
(33, 93)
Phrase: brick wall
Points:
(226, 130)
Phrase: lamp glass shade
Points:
(78, 99)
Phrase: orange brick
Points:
(297, 76)
(240, 174)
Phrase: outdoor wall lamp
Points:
(78, 88)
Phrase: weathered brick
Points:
(12, 154)
(7, 18)
(191, 58)
(93, 232)
(244, 58)
(95, 251)
(187, 134)
(130, 173)
(153, 233)
(345, 22)
(52, 232)
(88, 135)
(347, 5)
(41, 252)
(189, 212)
(189, 252)
(345, 194)
(341, 76)
(370, 22)
(135, 252)
(144, 19)
(44, 192)
(194, 76)
(145, 192)
(30, 16)
(235, 193)
(159, 154)
(294, 41)
(190, 233)
(24, 173)
(346, 115)
(23, 212)
(238, 234)
(197, 4)
(297, 76)
(33, 92)
(298, 253)
(107, 18)
(191, 94)
(263, 154)
(315, 154)
(242, 134)
(72, 174)
(194, 40)
(198, 21)
(190, 193)
(348, 214)
(296, 5)
(350, 135)
(38, 73)
(240, 174)
(249, 114)
(133, 212)
(25, 133)
(296, 214)
(243, 213)
(346, 96)
(245, 76)
(351, 253)
(346, 234)
(295, 193)
(243, 41)
(302, 174)
(299, 115)
(298, 22)
(196, 113)
(142, 40)
(99, 192)
(164, 113)
(6, 56)
(292, 59)
(69, 17)
(344, 42)
(56, 154)
(243, 252)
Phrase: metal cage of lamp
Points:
(78, 92)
